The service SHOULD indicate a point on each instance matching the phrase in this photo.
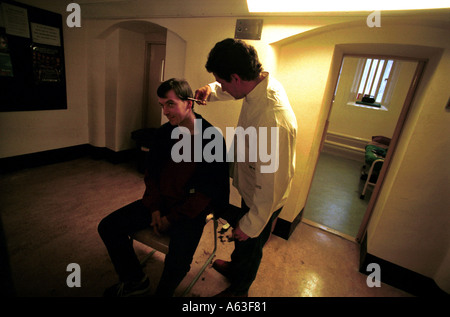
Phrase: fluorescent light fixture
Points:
(342, 5)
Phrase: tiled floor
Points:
(50, 216)
(334, 196)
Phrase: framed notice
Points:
(32, 69)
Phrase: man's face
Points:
(175, 109)
(233, 87)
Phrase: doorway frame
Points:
(146, 92)
(401, 121)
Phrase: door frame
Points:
(420, 68)
(146, 92)
(421, 63)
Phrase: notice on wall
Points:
(6, 69)
(32, 70)
(16, 20)
(47, 66)
(44, 34)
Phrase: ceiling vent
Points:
(248, 29)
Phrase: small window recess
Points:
(374, 83)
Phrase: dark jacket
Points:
(184, 189)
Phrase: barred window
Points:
(374, 79)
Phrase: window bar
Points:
(359, 82)
(371, 76)
(367, 77)
(360, 78)
(380, 80)
(374, 76)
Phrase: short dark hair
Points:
(232, 56)
(179, 86)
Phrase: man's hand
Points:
(165, 224)
(203, 94)
(159, 224)
(239, 235)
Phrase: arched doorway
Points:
(130, 60)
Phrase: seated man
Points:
(178, 196)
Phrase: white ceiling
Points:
(136, 9)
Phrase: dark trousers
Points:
(247, 255)
(116, 228)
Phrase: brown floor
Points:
(50, 216)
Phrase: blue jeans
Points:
(247, 255)
(116, 228)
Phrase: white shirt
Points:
(266, 106)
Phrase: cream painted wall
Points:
(175, 60)
(175, 56)
(130, 87)
(111, 88)
(410, 222)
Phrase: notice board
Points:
(32, 70)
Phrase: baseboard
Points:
(343, 151)
(102, 153)
(398, 276)
(347, 140)
(284, 228)
(15, 163)
(347, 146)
(328, 229)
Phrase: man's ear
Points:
(235, 77)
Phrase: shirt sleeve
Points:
(217, 94)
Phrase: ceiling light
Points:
(341, 5)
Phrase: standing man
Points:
(239, 75)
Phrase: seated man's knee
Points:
(104, 227)
(178, 264)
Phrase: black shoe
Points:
(223, 267)
(128, 289)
